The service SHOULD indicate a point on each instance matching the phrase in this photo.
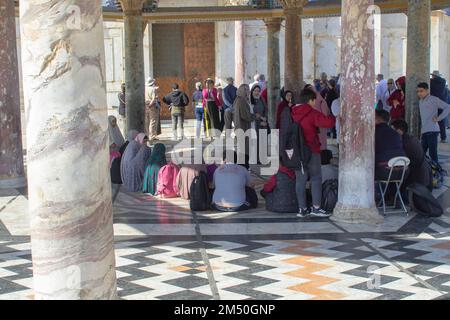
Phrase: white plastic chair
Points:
(394, 164)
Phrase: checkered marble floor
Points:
(165, 251)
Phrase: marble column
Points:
(293, 72)
(239, 49)
(418, 58)
(69, 186)
(356, 203)
(134, 64)
(11, 158)
(273, 67)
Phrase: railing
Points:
(265, 4)
(152, 5)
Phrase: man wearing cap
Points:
(438, 89)
(152, 110)
(229, 95)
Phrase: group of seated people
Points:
(136, 166)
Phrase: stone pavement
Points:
(165, 251)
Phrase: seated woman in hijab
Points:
(116, 139)
(156, 162)
(134, 162)
(186, 176)
(116, 157)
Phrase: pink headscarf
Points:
(321, 104)
(140, 138)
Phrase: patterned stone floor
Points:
(164, 251)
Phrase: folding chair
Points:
(383, 185)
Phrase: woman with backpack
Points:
(134, 161)
(310, 120)
(185, 177)
(156, 162)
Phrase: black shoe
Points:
(319, 213)
(303, 213)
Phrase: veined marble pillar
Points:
(239, 49)
(68, 154)
(134, 64)
(293, 73)
(356, 202)
(273, 67)
(418, 58)
(11, 158)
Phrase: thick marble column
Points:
(11, 158)
(293, 72)
(356, 202)
(273, 67)
(418, 58)
(239, 49)
(134, 64)
(69, 186)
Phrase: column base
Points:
(19, 182)
(369, 216)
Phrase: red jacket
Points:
(215, 96)
(272, 182)
(399, 111)
(264, 95)
(311, 120)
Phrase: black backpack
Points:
(330, 195)
(293, 138)
(423, 202)
(437, 173)
(200, 196)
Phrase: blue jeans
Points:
(443, 126)
(430, 144)
(199, 117)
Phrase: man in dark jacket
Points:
(229, 95)
(420, 169)
(438, 89)
(177, 101)
(310, 121)
(388, 144)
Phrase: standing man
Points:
(310, 121)
(229, 95)
(438, 88)
(177, 101)
(122, 112)
(382, 87)
(429, 107)
(152, 110)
